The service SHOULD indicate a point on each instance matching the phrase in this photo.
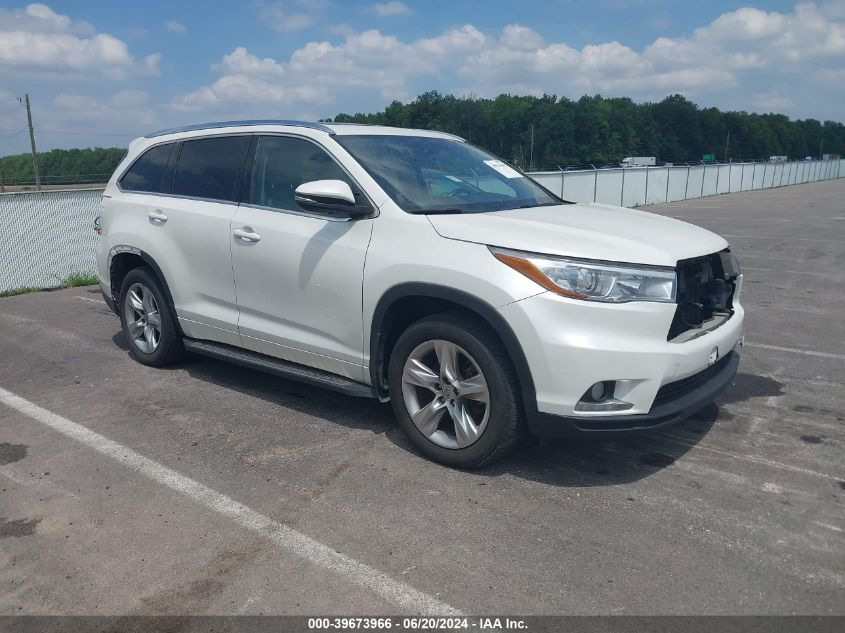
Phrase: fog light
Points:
(599, 397)
(601, 391)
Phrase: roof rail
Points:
(219, 124)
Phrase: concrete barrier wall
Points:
(641, 186)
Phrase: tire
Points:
(148, 320)
(481, 361)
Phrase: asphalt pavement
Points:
(207, 488)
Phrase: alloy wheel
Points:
(143, 320)
(446, 394)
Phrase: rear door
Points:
(190, 223)
(299, 276)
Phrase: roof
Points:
(218, 124)
(349, 129)
(341, 129)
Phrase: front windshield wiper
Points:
(541, 204)
(438, 211)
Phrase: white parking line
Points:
(285, 538)
(792, 350)
(91, 300)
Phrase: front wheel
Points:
(453, 391)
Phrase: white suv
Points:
(412, 266)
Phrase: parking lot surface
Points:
(208, 488)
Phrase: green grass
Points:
(71, 281)
(80, 279)
(18, 291)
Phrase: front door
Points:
(298, 275)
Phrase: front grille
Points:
(706, 287)
(674, 390)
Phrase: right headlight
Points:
(593, 281)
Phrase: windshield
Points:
(430, 175)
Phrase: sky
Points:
(100, 73)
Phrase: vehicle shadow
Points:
(570, 462)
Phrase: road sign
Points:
(709, 158)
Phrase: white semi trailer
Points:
(639, 161)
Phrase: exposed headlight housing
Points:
(593, 281)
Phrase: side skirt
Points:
(285, 369)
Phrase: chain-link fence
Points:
(640, 186)
(47, 236)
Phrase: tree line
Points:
(598, 130)
(62, 165)
(592, 130)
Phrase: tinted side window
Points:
(282, 164)
(147, 172)
(209, 167)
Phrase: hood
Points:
(586, 231)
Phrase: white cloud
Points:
(175, 27)
(317, 71)
(36, 38)
(240, 61)
(42, 19)
(788, 61)
(746, 50)
(151, 65)
(751, 37)
(771, 101)
(521, 38)
(280, 19)
(712, 59)
(386, 9)
(127, 108)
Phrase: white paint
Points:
(828, 526)
(792, 350)
(100, 301)
(16, 476)
(285, 538)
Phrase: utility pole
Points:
(727, 140)
(531, 153)
(821, 144)
(32, 143)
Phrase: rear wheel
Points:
(148, 321)
(454, 392)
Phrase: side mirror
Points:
(332, 196)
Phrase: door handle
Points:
(157, 217)
(246, 235)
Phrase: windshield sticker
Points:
(502, 168)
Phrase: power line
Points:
(15, 134)
(87, 133)
(90, 133)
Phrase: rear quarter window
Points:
(146, 173)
